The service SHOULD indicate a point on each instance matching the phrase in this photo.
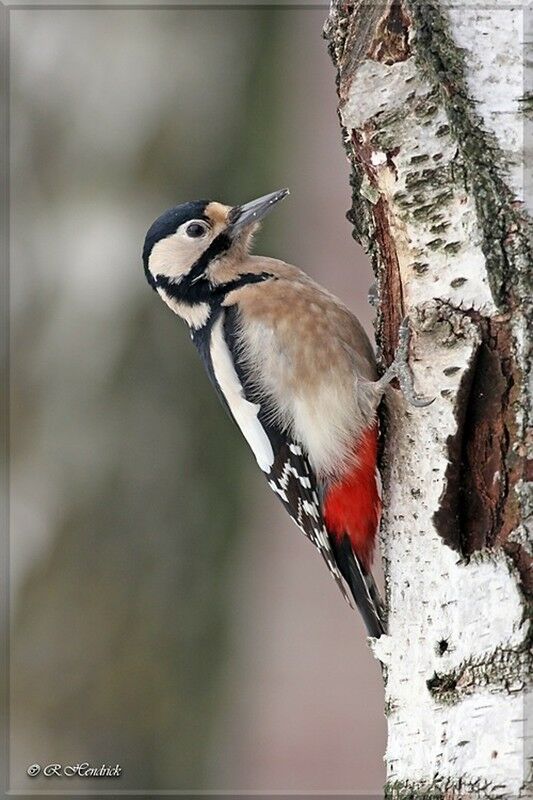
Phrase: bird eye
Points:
(195, 229)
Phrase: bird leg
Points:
(400, 369)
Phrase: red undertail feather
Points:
(352, 505)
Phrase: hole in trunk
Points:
(475, 512)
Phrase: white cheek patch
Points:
(244, 412)
(171, 257)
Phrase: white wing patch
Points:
(244, 412)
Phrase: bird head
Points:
(183, 244)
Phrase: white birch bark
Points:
(434, 114)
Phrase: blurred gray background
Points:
(165, 613)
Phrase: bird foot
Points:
(400, 369)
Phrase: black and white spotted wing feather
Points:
(292, 479)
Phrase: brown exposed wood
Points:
(479, 506)
(389, 279)
(524, 564)
(379, 30)
(390, 284)
(391, 41)
(484, 483)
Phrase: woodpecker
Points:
(294, 369)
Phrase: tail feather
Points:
(362, 586)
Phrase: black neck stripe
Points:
(218, 246)
(201, 291)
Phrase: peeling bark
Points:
(432, 107)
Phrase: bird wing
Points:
(282, 459)
(293, 480)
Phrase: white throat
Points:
(195, 315)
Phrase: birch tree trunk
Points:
(434, 116)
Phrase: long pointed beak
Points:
(242, 216)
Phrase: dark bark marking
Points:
(503, 670)
(504, 222)
(442, 647)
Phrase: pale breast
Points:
(309, 355)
